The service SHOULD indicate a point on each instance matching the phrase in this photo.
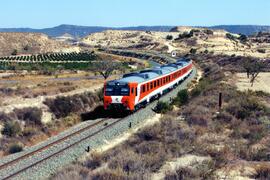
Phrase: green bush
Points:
(182, 97)
(14, 148)
(30, 115)
(193, 51)
(11, 128)
(162, 107)
(169, 37)
(63, 106)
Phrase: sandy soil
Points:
(186, 161)
(262, 82)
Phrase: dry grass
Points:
(262, 82)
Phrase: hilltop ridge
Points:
(81, 31)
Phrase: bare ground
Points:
(262, 82)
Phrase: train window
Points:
(151, 85)
(143, 88)
(132, 90)
(147, 86)
(164, 80)
(155, 84)
(136, 91)
(169, 78)
(158, 82)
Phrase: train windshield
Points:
(117, 90)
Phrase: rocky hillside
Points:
(129, 39)
(28, 43)
(183, 40)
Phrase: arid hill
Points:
(29, 43)
(181, 39)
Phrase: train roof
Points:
(152, 73)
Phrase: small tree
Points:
(182, 97)
(11, 128)
(253, 68)
(105, 67)
(14, 148)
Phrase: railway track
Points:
(29, 154)
(53, 150)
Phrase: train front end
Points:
(118, 95)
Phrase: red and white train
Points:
(136, 89)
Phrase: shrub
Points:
(163, 107)
(261, 50)
(128, 161)
(150, 133)
(14, 148)
(224, 117)
(169, 37)
(30, 115)
(29, 131)
(5, 117)
(193, 51)
(206, 51)
(243, 107)
(108, 174)
(208, 31)
(11, 128)
(72, 172)
(182, 97)
(243, 38)
(182, 173)
(63, 106)
(263, 172)
(197, 115)
(94, 161)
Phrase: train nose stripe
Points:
(117, 99)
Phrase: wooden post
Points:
(220, 101)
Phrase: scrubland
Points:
(194, 139)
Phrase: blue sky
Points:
(116, 13)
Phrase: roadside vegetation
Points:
(23, 127)
(234, 137)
